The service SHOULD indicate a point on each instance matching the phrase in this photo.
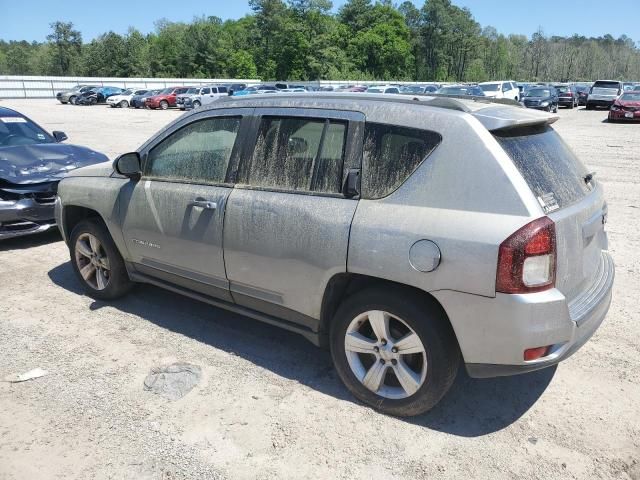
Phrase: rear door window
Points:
(298, 154)
(552, 171)
(391, 154)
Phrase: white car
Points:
(123, 100)
(503, 89)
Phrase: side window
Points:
(198, 152)
(222, 89)
(506, 87)
(391, 154)
(205, 91)
(299, 154)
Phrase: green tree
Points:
(67, 45)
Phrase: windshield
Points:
(562, 89)
(538, 92)
(20, 131)
(126, 92)
(631, 97)
(192, 90)
(460, 91)
(166, 91)
(490, 87)
(139, 92)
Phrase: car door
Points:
(173, 217)
(208, 95)
(287, 222)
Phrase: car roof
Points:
(493, 114)
(7, 112)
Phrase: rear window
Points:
(599, 84)
(391, 154)
(550, 168)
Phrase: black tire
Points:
(72, 100)
(555, 109)
(571, 106)
(427, 320)
(196, 104)
(118, 283)
(164, 104)
(589, 107)
(124, 104)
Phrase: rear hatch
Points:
(605, 90)
(568, 195)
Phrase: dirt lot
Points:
(269, 404)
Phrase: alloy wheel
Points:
(92, 261)
(385, 354)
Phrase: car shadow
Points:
(28, 241)
(472, 407)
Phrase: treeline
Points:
(304, 40)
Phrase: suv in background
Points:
(603, 93)
(567, 95)
(406, 235)
(506, 89)
(383, 89)
(203, 96)
(70, 96)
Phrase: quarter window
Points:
(391, 154)
(198, 152)
(298, 154)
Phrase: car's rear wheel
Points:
(97, 261)
(394, 351)
(124, 104)
(196, 104)
(164, 104)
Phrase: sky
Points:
(30, 20)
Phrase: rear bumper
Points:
(493, 333)
(600, 103)
(24, 217)
(566, 101)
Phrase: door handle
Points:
(206, 204)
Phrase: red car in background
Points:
(626, 107)
(165, 99)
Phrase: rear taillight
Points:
(527, 259)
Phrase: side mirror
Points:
(128, 165)
(59, 136)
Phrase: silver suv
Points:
(406, 234)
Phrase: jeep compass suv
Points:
(408, 235)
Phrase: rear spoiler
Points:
(494, 113)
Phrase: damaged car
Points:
(32, 162)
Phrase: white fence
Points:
(47, 87)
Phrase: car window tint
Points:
(298, 154)
(391, 154)
(205, 91)
(222, 89)
(199, 151)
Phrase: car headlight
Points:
(544, 104)
(615, 108)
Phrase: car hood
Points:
(26, 164)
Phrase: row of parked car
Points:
(617, 96)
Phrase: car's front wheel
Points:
(97, 261)
(394, 351)
(72, 100)
(196, 104)
(164, 104)
(124, 104)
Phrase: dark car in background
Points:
(32, 162)
(165, 99)
(626, 107)
(70, 96)
(583, 94)
(137, 101)
(473, 90)
(567, 95)
(416, 89)
(97, 95)
(541, 98)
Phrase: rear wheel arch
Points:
(344, 285)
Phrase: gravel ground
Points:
(269, 404)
